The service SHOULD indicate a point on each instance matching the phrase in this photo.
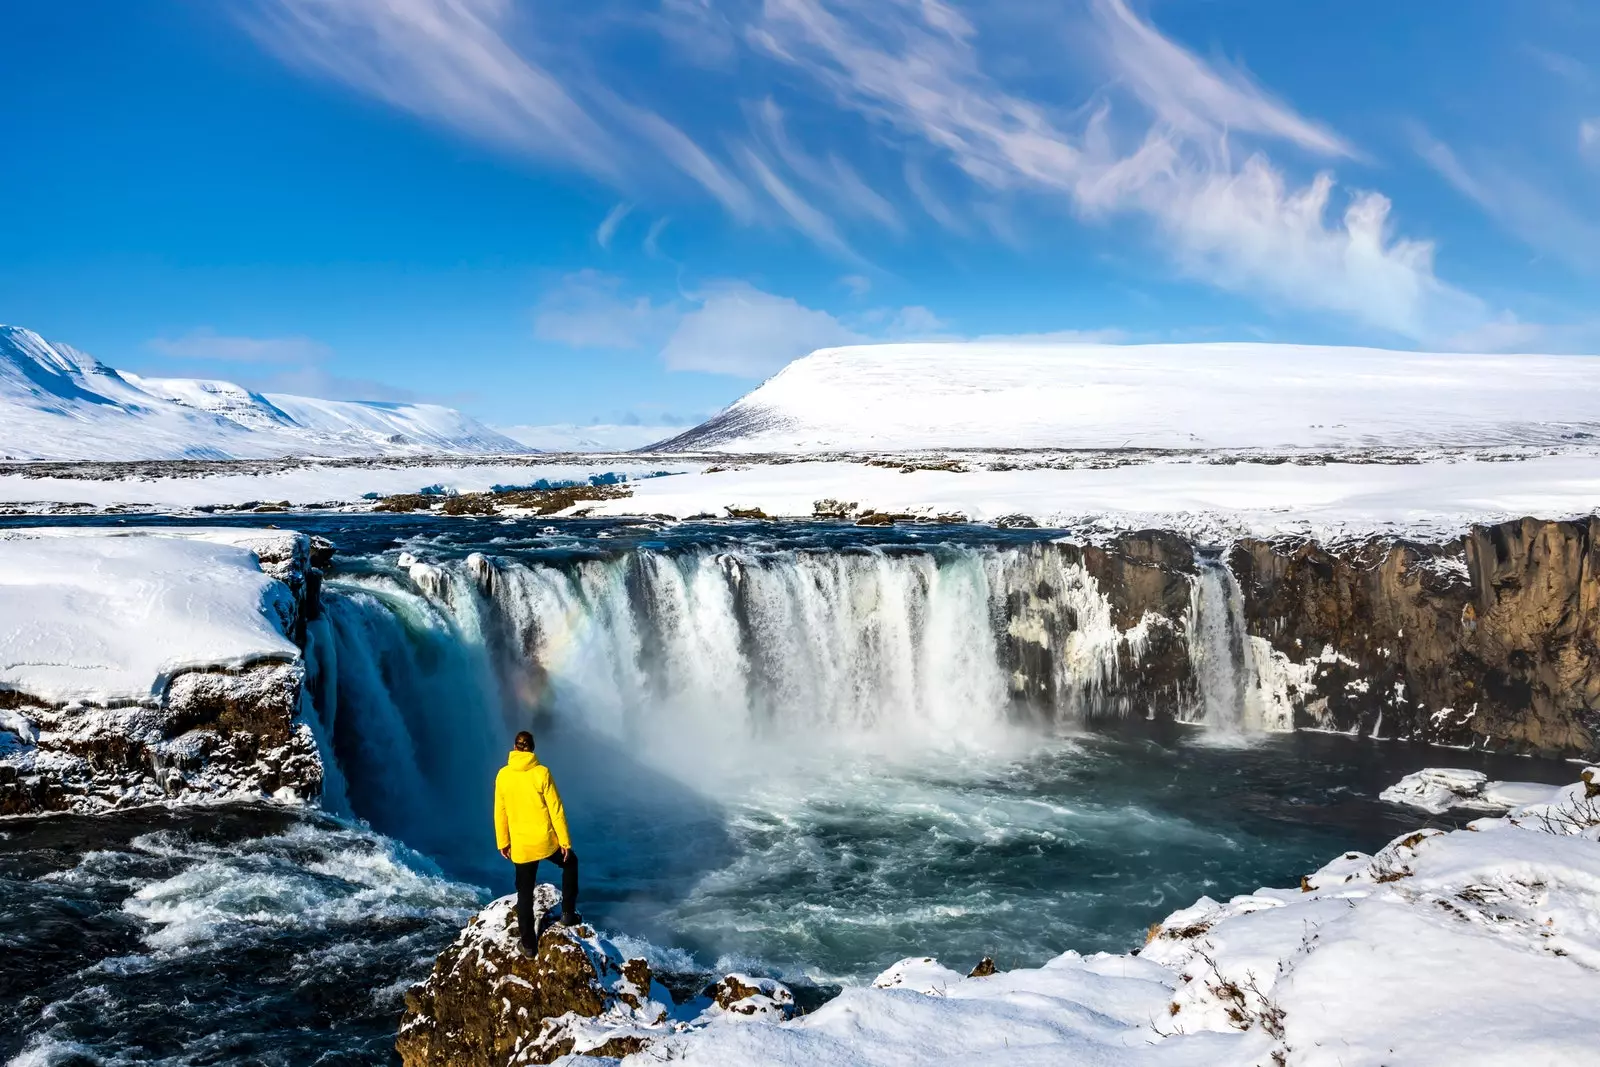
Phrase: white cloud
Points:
(1589, 135)
(608, 225)
(858, 284)
(913, 65)
(740, 330)
(445, 60)
(455, 62)
(1170, 137)
(1192, 97)
(588, 310)
(206, 343)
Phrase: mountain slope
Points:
(59, 403)
(1011, 395)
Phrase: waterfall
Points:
(715, 660)
(1221, 652)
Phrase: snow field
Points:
(108, 617)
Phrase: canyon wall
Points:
(1489, 641)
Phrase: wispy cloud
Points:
(206, 344)
(1538, 216)
(1168, 137)
(589, 310)
(1195, 98)
(446, 60)
(608, 225)
(913, 66)
(462, 64)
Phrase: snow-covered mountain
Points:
(59, 403)
(600, 437)
(1178, 396)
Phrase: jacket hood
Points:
(521, 761)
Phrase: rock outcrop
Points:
(486, 1004)
(1492, 640)
(208, 732)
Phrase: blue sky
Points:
(632, 211)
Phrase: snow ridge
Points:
(59, 403)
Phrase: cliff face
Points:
(1100, 631)
(1492, 640)
(204, 733)
(1488, 641)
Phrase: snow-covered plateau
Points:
(1169, 396)
(57, 403)
(1473, 948)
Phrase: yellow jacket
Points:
(527, 810)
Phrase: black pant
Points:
(528, 878)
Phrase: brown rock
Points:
(487, 1005)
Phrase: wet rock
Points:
(488, 1005)
(985, 967)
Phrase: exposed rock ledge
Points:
(147, 665)
(488, 1005)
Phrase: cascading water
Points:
(722, 662)
(1220, 649)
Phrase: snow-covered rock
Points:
(1171, 396)
(142, 664)
(59, 403)
(488, 1005)
(1441, 789)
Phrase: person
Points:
(530, 825)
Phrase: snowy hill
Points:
(1011, 395)
(59, 403)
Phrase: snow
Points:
(108, 617)
(600, 437)
(59, 403)
(1441, 789)
(304, 483)
(1211, 501)
(1170, 396)
(1475, 947)
(1436, 498)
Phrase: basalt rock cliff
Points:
(1492, 640)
